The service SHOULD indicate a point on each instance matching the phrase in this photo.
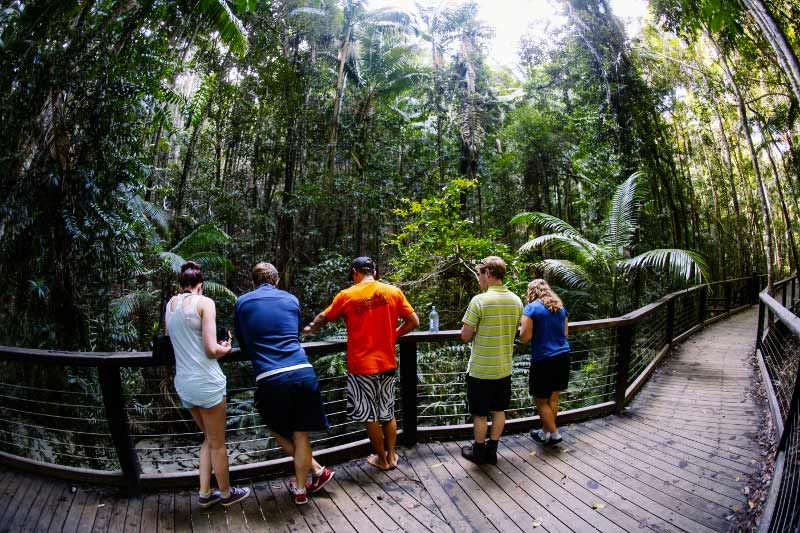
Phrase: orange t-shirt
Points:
(370, 311)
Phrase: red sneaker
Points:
(317, 482)
(300, 496)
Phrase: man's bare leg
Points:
(377, 439)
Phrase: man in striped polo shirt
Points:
(490, 323)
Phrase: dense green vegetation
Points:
(305, 132)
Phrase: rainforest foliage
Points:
(138, 134)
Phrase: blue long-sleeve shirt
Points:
(267, 324)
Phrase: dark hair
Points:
(190, 274)
(265, 273)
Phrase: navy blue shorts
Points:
(291, 401)
(549, 375)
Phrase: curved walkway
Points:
(678, 460)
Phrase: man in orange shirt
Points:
(371, 310)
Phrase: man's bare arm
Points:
(467, 332)
(411, 322)
(315, 325)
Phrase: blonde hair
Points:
(538, 289)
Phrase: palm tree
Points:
(600, 269)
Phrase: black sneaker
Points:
(554, 441)
(237, 495)
(537, 436)
(208, 501)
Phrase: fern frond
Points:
(622, 214)
(567, 273)
(212, 288)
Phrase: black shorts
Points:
(549, 375)
(486, 395)
(291, 401)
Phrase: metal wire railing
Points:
(116, 417)
(778, 343)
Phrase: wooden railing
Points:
(778, 355)
(92, 420)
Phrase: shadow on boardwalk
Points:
(677, 460)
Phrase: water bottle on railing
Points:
(434, 320)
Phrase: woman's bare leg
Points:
(205, 453)
(214, 423)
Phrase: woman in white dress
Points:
(191, 325)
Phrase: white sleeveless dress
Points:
(199, 380)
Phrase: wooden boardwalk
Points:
(678, 460)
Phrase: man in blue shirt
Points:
(267, 324)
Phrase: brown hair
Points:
(495, 265)
(538, 289)
(265, 273)
(190, 275)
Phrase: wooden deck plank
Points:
(268, 507)
(459, 510)
(663, 491)
(15, 516)
(697, 484)
(200, 518)
(16, 492)
(354, 514)
(254, 520)
(39, 505)
(117, 520)
(182, 512)
(166, 510)
(149, 513)
(406, 500)
(381, 520)
(400, 515)
(594, 484)
(133, 515)
(522, 446)
(105, 507)
(407, 479)
(287, 508)
(89, 514)
(75, 511)
(487, 496)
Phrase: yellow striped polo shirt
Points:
(494, 315)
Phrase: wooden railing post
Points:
(702, 304)
(117, 418)
(669, 334)
(624, 344)
(408, 391)
(754, 288)
(728, 297)
(760, 328)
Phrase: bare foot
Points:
(376, 461)
(393, 461)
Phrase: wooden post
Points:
(783, 295)
(670, 329)
(728, 291)
(408, 391)
(754, 288)
(117, 418)
(760, 329)
(703, 298)
(624, 344)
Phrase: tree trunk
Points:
(333, 129)
(762, 191)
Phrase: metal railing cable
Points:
(778, 353)
(116, 418)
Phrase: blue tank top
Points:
(548, 331)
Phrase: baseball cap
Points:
(362, 264)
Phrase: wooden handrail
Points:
(110, 363)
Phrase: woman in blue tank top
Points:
(544, 323)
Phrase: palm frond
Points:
(203, 238)
(680, 264)
(125, 305)
(213, 261)
(557, 226)
(623, 212)
(567, 273)
(212, 288)
(563, 245)
(147, 210)
(172, 260)
(230, 28)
